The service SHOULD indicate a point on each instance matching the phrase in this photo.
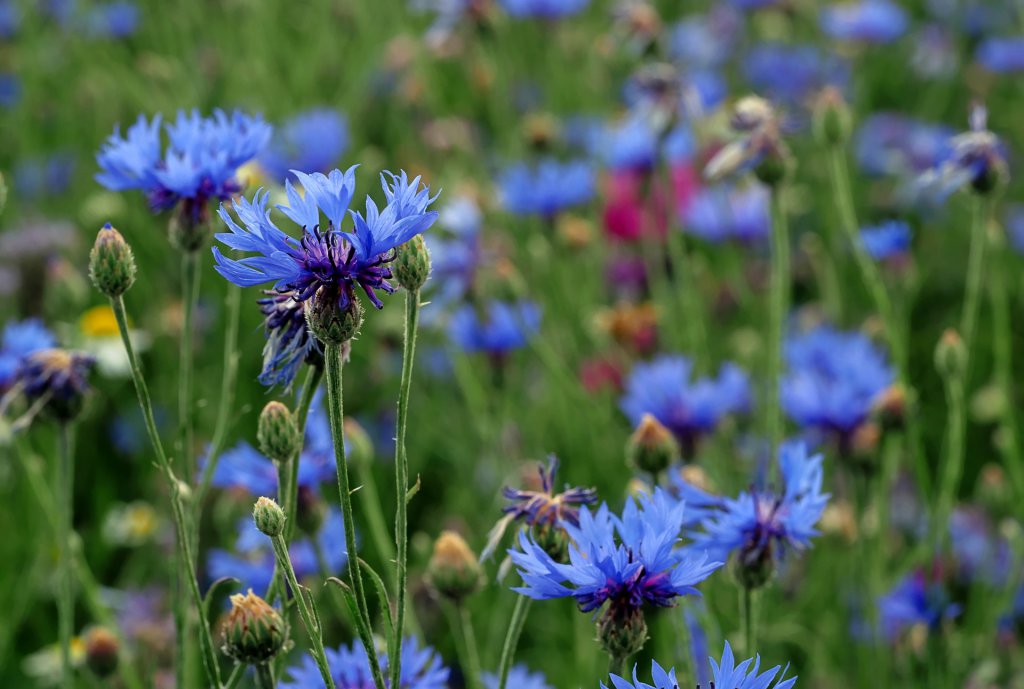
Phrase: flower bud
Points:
(111, 263)
(277, 434)
(754, 566)
(310, 510)
(3, 193)
(622, 630)
(775, 166)
(189, 226)
(412, 264)
(328, 322)
(891, 406)
(951, 355)
(832, 120)
(254, 632)
(269, 517)
(454, 571)
(101, 650)
(651, 448)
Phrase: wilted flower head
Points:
(350, 669)
(499, 329)
(198, 164)
(546, 188)
(976, 158)
(312, 141)
(833, 379)
(289, 343)
(690, 408)
(761, 525)
(760, 146)
(726, 674)
(541, 510)
(326, 257)
(865, 21)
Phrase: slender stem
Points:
(333, 366)
(750, 619)
(616, 665)
(412, 311)
(309, 388)
(66, 598)
(975, 268)
(956, 427)
(373, 511)
(284, 564)
(190, 275)
(1002, 354)
(465, 643)
(227, 394)
(515, 629)
(177, 500)
(264, 677)
(689, 298)
(780, 295)
(466, 622)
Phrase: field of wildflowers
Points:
(525, 344)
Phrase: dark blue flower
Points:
(543, 9)
(833, 379)
(289, 343)
(720, 214)
(726, 675)
(350, 669)
(325, 257)
(867, 21)
(519, 677)
(915, 601)
(1002, 55)
(56, 375)
(890, 239)
(630, 560)
(546, 188)
(761, 525)
(20, 339)
(198, 164)
(792, 73)
(312, 141)
(690, 408)
(501, 328)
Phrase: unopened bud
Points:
(775, 165)
(412, 264)
(832, 120)
(622, 630)
(277, 434)
(951, 355)
(328, 322)
(891, 406)
(111, 263)
(269, 517)
(454, 571)
(101, 651)
(754, 565)
(189, 226)
(651, 448)
(254, 632)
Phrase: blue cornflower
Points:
(325, 257)
(112, 20)
(10, 19)
(792, 73)
(833, 379)
(625, 561)
(350, 669)
(243, 466)
(252, 561)
(10, 90)
(893, 144)
(761, 525)
(914, 601)
(727, 675)
(631, 144)
(980, 554)
(289, 343)
(1014, 229)
(58, 376)
(543, 9)
(499, 329)
(21, 338)
(519, 677)
(455, 256)
(546, 188)
(542, 510)
(720, 214)
(197, 166)
(705, 40)
(976, 158)
(754, 4)
(888, 240)
(40, 176)
(867, 21)
(312, 141)
(690, 408)
(935, 52)
(1003, 55)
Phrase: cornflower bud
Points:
(277, 434)
(111, 263)
(328, 322)
(951, 355)
(101, 651)
(254, 632)
(454, 571)
(832, 121)
(269, 517)
(622, 630)
(652, 448)
(189, 225)
(412, 264)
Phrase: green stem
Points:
(780, 296)
(749, 611)
(66, 597)
(185, 559)
(617, 665)
(690, 314)
(1002, 354)
(190, 275)
(412, 311)
(515, 629)
(309, 388)
(309, 620)
(373, 511)
(335, 402)
(975, 268)
(465, 643)
(264, 677)
(956, 426)
(227, 395)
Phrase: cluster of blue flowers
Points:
(501, 328)
(546, 188)
(350, 669)
(726, 673)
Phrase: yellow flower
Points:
(98, 321)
